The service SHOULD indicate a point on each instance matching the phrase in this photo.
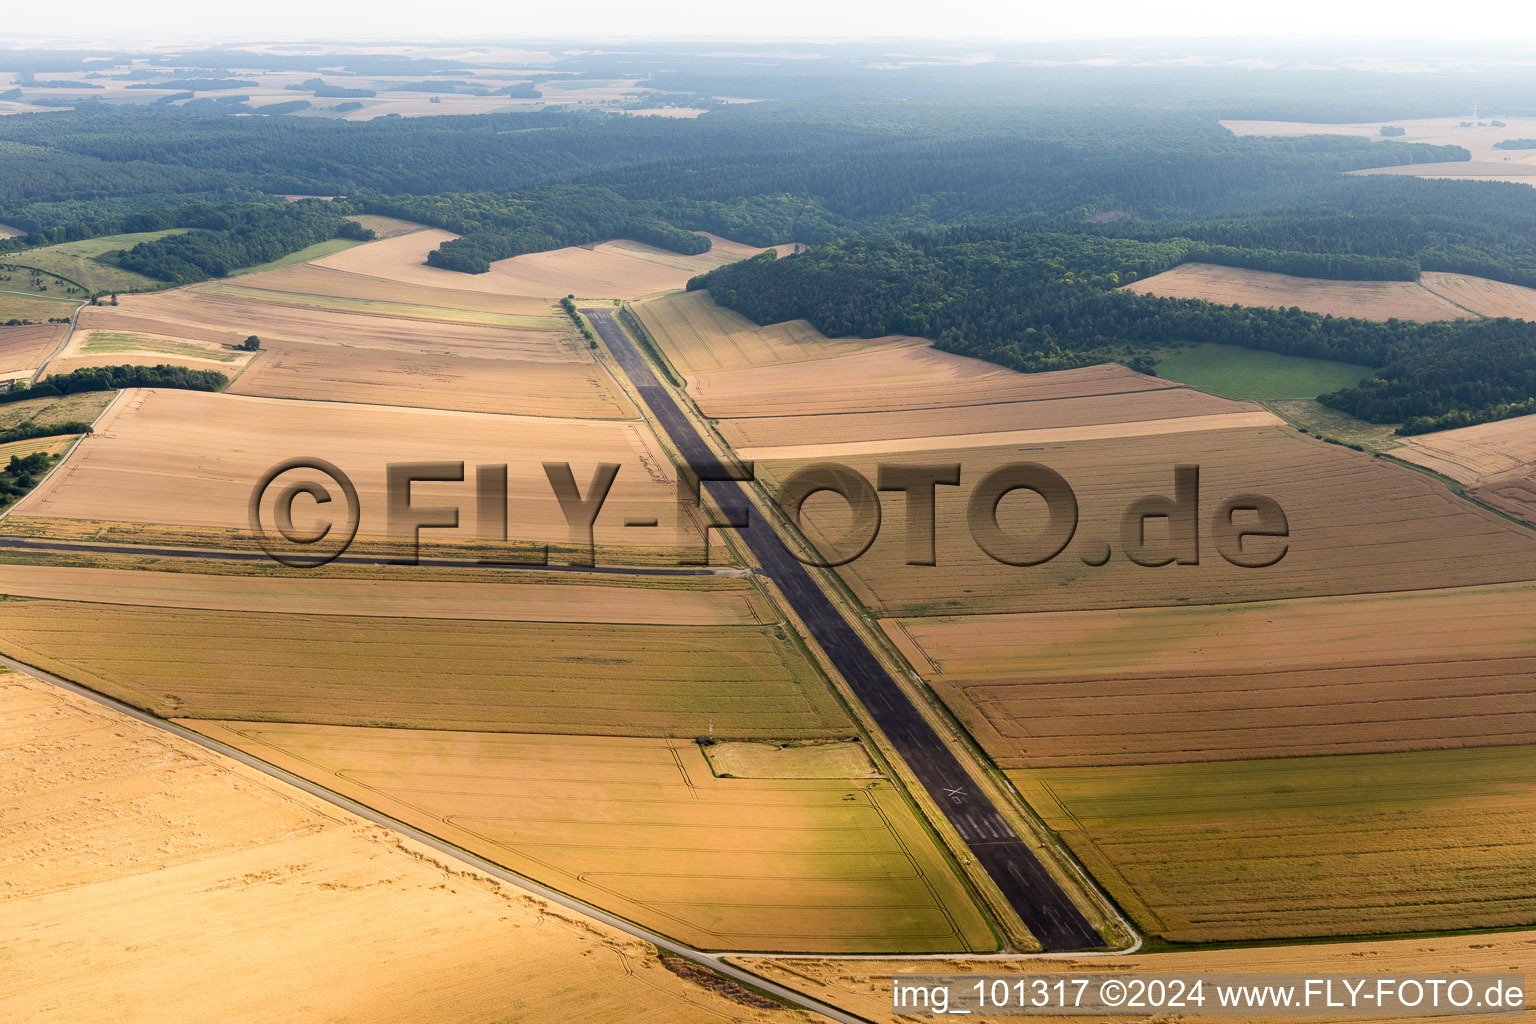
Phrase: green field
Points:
(84, 405)
(34, 308)
(293, 259)
(77, 262)
(127, 341)
(1305, 846)
(1321, 421)
(1254, 375)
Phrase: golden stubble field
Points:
(1312, 846)
(358, 350)
(618, 269)
(1357, 524)
(1377, 672)
(191, 459)
(1435, 296)
(645, 829)
(23, 349)
(1496, 461)
(147, 879)
(864, 986)
(785, 391)
(1487, 163)
(698, 336)
(116, 348)
(331, 373)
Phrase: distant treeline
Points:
(497, 227)
(807, 172)
(320, 87)
(112, 378)
(239, 237)
(1516, 144)
(1044, 300)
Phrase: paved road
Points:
(712, 961)
(1025, 883)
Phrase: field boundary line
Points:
(74, 320)
(65, 457)
(1447, 298)
(711, 961)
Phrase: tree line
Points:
(1037, 300)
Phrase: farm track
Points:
(1040, 902)
(74, 320)
(32, 544)
(712, 962)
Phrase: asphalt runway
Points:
(1028, 887)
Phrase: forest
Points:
(229, 239)
(999, 219)
(1035, 299)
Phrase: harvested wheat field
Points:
(1482, 296)
(504, 675)
(1474, 170)
(613, 270)
(229, 318)
(528, 314)
(191, 459)
(786, 391)
(644, 828)
(116, 348)
(1336, 675)
(686, 601)
(148, 879)
(1294, 847)
(1372, 300)
(1357, 525)
(1497, 462)
(325, 286)
(23, 349)
(901, 377)
(864, 986)
(581, 389)
(697, 336)
(906, 434)
(1470, 455)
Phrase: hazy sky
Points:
(410, 20)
